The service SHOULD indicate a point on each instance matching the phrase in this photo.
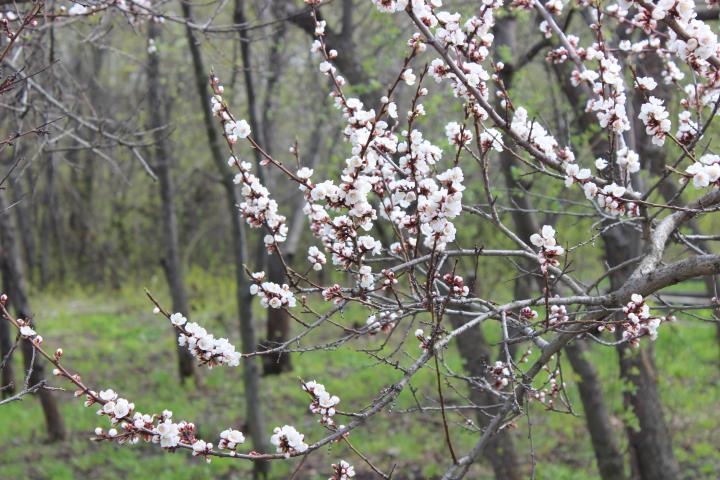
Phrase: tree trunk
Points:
(171, 263)
(651, 446)
(278, 325)
(23, 214)
(607, 452)
(7, 375)
(475, 352)
(278, 321)
(54, 220)
(14, 284)
(251, 378)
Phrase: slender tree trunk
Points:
(607, 451)
(172, 264)
(278, 325)
(278, 321)
(45, 243)
(54, 217)
(7, 374)
(14, 284)
(251, 378)
(23, 214)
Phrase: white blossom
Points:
(288, 441)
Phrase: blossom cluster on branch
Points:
(386, 234)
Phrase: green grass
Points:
(114, 342)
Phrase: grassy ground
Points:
(114, 342)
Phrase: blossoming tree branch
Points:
(641, 78)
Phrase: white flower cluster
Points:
(115, 408)
(638, 321)
(534, 133)
(168, 433)
(271, 294)
(575, 174)
(628, 159)
(611, 199)
(78, 9)
(230, 439)
(687, 128)
(26, 331)
(607, 85)
(679, 9)
(234, 130)
(549, 249)
(609, 107)
(706, 171)
(158, 429)
(408, 76)
(322, 402)
(383, 321)
(365, 277)
(316, 258)
(438, 204)
(491, 138)
(500, 375)
(655, 118)
(202, 448)
(288, 441)
(701, 43)
(645, 83)
(203, 345)
(258, 208)
(342, 471)
(471, 41)
(424, 341)
(457, 285)
(390, 6)
(558, 314)
(457, 134)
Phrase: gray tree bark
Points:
(14, 284)
(172, 264)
